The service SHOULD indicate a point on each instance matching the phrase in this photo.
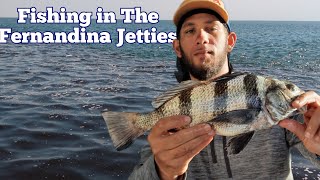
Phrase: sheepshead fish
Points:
(234, 105)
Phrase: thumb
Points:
(294, 126)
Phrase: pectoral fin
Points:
(237, 143)
(242, 116)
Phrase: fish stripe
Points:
(272, 87)
(221, 89)
(251, 89)
(185, 103)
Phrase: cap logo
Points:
(217, 2)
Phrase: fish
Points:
(235, 105)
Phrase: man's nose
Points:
(202, 37)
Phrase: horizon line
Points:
(273, 20)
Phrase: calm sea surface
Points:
(51, 96)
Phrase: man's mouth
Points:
(203, 52)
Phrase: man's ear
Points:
(176, 47)
(232, 38)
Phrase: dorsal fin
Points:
(158, 101)
(229, 76)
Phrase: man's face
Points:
(203, 46)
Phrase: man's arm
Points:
(172, 151)
(309, 131)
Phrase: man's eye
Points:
(189, 31)
(211, 29)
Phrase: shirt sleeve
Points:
(145, 169)
(311, 156)
(294, 141)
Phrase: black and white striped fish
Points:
(235, 105)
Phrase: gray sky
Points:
(292, 10)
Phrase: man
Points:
(203, 45)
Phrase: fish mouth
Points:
(289, 100)
(291, 111)
(296, 111)
(278, 111)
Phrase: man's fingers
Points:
(176, 160)
(311, 98)
(193, 147)
(295, 127)
(309, 113)
(313, 125)
(188, 134)
(189, 149)
(159, 133)
(172, 122)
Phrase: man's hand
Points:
(309, 131)
(174, 150)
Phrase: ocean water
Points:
(51, 96)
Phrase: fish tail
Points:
(122, 129)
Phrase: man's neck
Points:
(221, 73)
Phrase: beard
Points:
(206, 70)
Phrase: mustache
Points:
(202, 49)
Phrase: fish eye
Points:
(290, 86)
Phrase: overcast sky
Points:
(292, 10)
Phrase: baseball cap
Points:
(189, 5)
